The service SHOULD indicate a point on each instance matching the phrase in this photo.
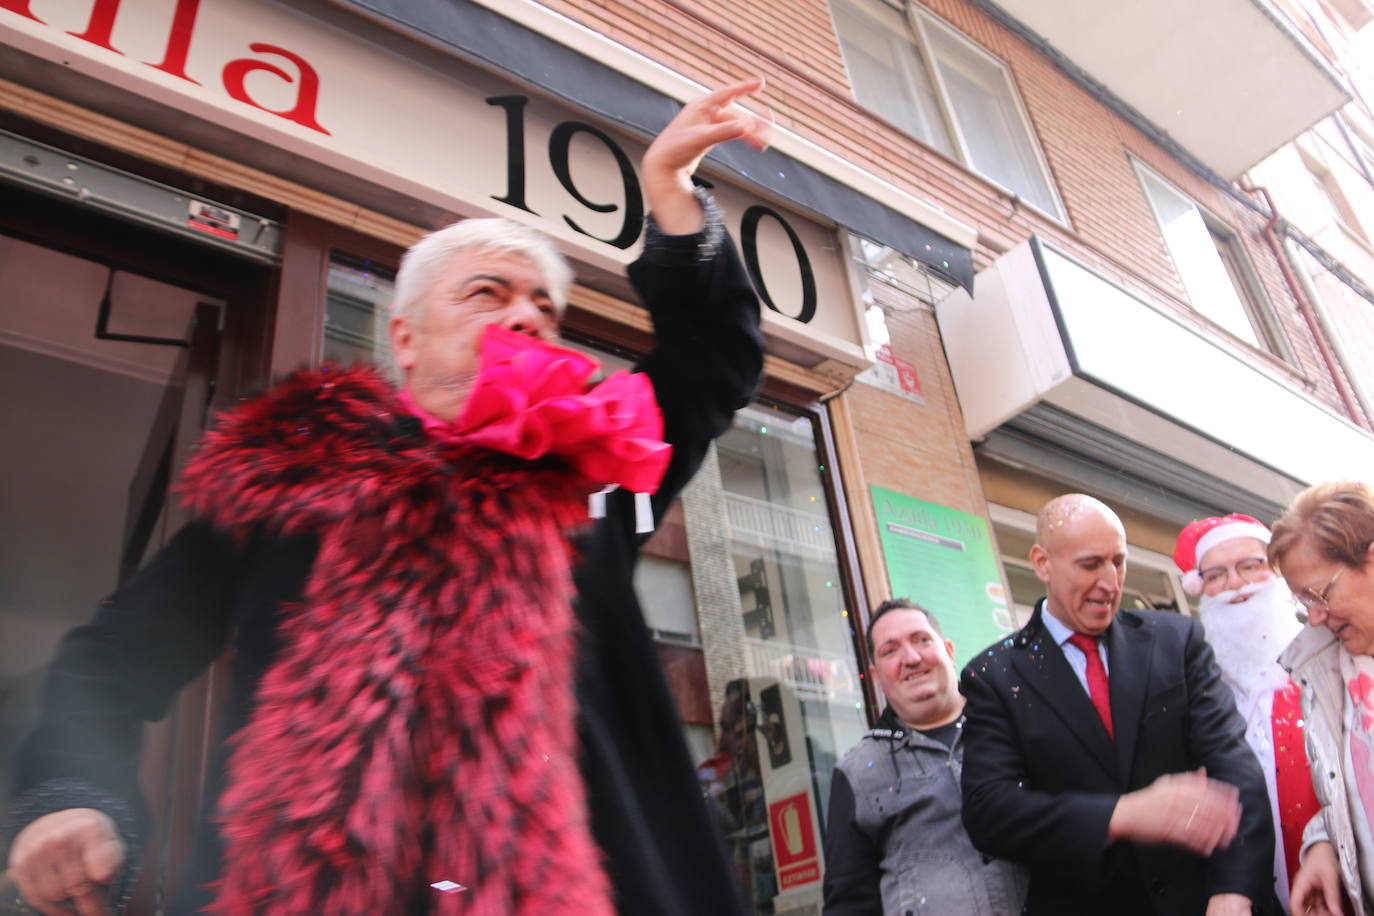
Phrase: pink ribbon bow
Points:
(532, 399)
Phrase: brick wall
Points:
(1110, 225)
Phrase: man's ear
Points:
(1040, 561)
(949, 647)
(402, 336)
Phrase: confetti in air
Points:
(448, 887)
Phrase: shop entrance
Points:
(115, 341)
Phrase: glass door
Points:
(113, 342)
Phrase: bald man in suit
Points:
(1103, 751)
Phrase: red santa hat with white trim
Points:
(1202, 535)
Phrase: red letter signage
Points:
(101, 24)
(179, 40)
(304, 113)
(21, 7)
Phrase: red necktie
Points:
(1097, 679)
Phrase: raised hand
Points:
(676, 152)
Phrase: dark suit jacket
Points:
(1041, 776)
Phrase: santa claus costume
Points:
(1247, 628)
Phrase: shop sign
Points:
(812, 674)
(460, 139)
(943, 559)
(893, 374)
(794, 842)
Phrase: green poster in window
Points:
(943, 559)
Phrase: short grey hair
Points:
(425, 260)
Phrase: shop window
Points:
(944, 90)
(780, 650)
(1210, 263)
(357, 299)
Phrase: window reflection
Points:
(797, 676)
(357, 310)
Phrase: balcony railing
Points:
(765, 524)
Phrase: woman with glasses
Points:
(1323, 546)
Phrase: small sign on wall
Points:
(794, 841)
(893, 374)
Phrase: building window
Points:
(1331, 198)
(1210, 263)
(949, 93)
(357, 311)
(888, 71)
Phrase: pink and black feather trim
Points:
(417, 725)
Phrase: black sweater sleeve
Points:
(853, 873)
(708, 354)
(146, 642)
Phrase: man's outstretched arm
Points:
(708, 356)
(78, 817)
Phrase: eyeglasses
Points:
(1313, 600)
(1248, 569)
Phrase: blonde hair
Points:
(1336, 517)
(425, 260)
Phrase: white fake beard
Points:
(1247, 637)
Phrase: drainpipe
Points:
(1336, 370)
(1324, 317)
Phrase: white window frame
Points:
(1328, 188)
(921, 21)
(1364, 146)
(1258, 310)
(956, 151)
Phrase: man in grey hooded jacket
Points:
(895, 842)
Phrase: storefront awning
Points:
(452, 110)
(1229, 80)
(1049, 352)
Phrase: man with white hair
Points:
(1249, 616)
(425, 714)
